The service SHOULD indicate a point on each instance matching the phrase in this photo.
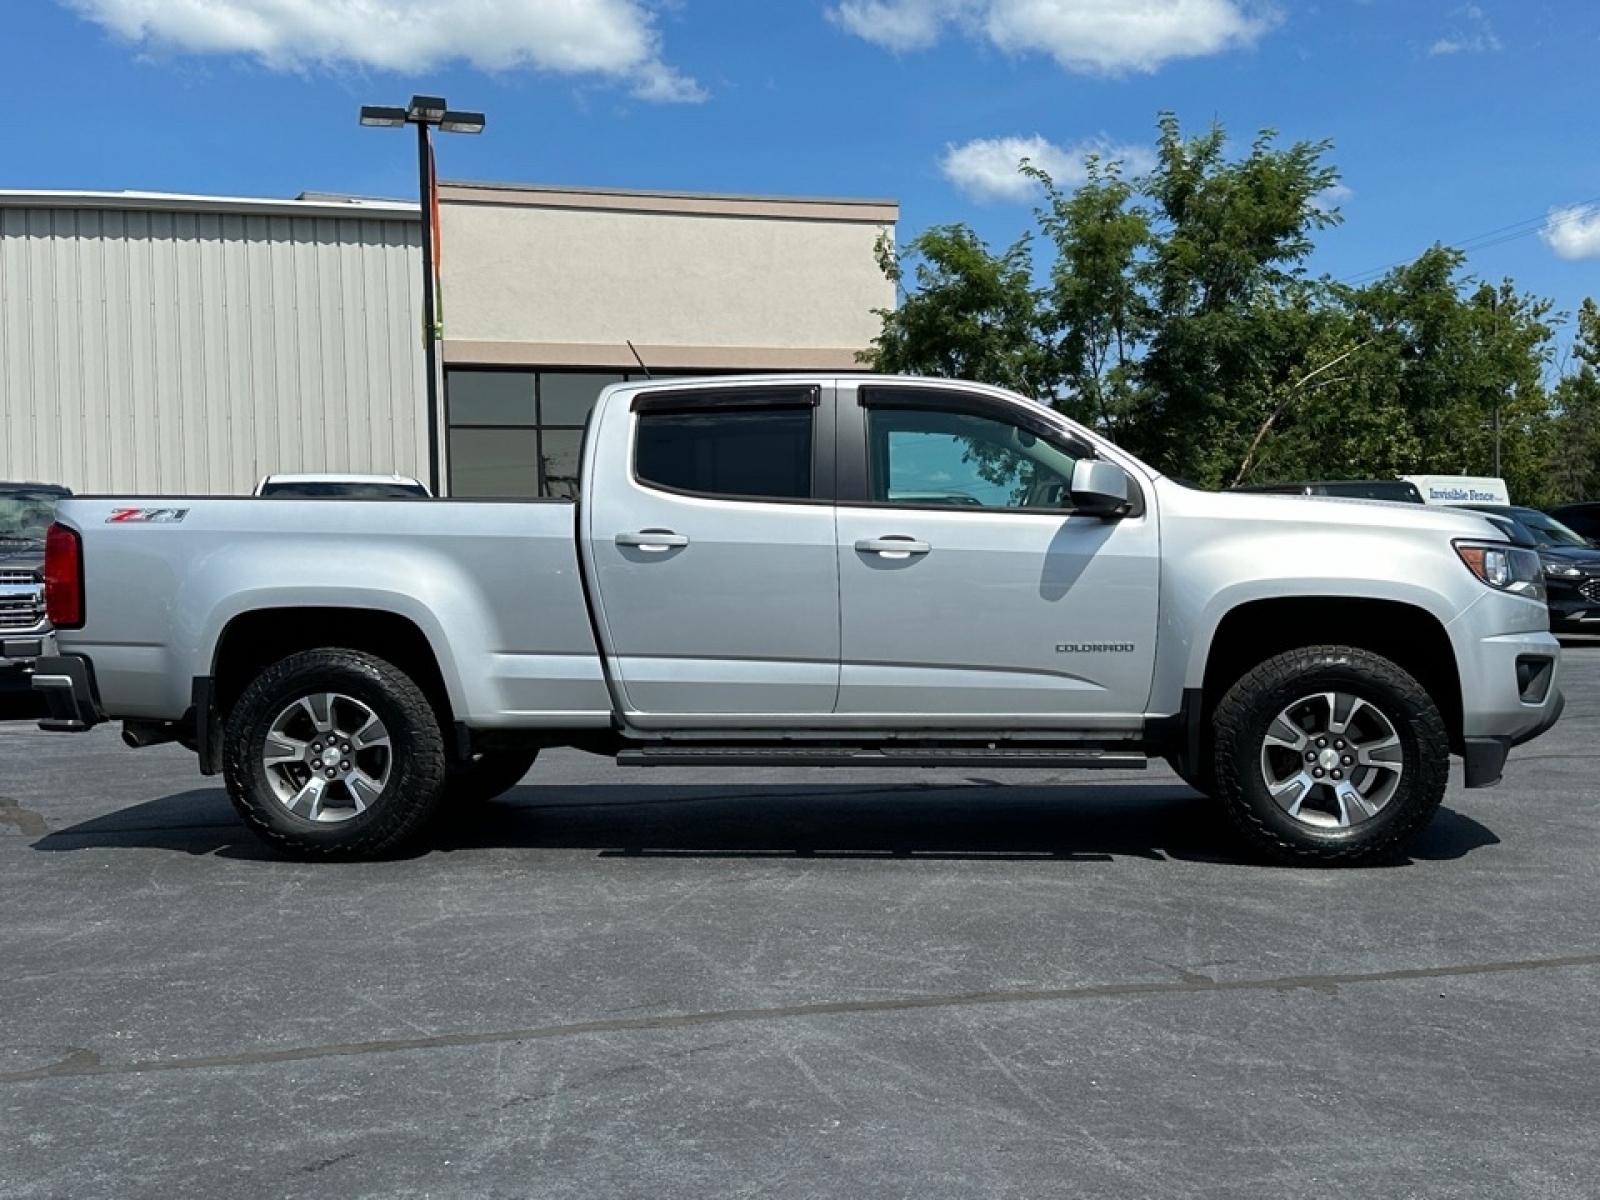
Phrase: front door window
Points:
(963, 460)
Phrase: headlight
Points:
(1554, 566)
(1505, 567)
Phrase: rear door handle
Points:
(893, 546)
(653, 540)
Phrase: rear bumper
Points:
(66, 682)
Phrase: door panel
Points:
(712, 597)
(967, 586)
(1005, 613)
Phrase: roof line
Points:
(312, 205)
(568, 190)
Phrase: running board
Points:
(886, 756)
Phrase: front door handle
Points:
(893, 546)
(652, 540)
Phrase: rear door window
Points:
(733, 445)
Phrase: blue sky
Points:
(1468, 124)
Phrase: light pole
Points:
(427, 113)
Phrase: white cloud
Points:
(897, 24)
(1086, 36)
(614, 39)
(1573, 233)
(1473, 36)
(986, 169)
(1330, 198)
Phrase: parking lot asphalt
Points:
(796, 983)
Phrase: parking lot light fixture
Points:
(427, 113)
(461, 122)
(426, 110)
(382, 116)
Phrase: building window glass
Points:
(494, 462)
(566, 398)
(517, 433)
(492, 398)
(558, 463)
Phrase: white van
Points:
(1461, 489)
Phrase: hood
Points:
(1337, 511)
(1578, 556)
(21, 553)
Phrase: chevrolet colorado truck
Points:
(810, 570)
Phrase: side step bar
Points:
(884, 756)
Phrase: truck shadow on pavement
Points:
(978, 819)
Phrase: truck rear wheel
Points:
(334, 754)
(1329, 755)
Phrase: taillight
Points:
(63, 577)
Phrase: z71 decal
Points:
(146, 516)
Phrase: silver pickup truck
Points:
(810, 571)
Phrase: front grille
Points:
(1589, 589)
(23, 611)
(15, 578)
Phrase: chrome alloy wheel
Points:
(1332, 760)
(327, 757)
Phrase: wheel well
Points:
(254, 641)
(1409, 637)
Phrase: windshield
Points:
(1548, 530)
(25, 515)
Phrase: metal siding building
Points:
(167, 344)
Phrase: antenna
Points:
(640, 361)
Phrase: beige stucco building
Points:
(550, 293)
(184, 345)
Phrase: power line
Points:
(1496, 237)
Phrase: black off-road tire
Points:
(488, 775)
(1395, 724)
(283, 703)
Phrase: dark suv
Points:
(1581, 518)
(26, 510)
(1571, 565)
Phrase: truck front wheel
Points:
(334, 754)
(1329, 755)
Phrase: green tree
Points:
(1177, 317)
(1095, 314)
(1233, 319)
(1457, 373)
(973, 314)
(1574, 458)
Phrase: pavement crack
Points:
(85, 1063)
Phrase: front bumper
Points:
(1484, 758)
(1572, 599)
(1510, 673)
(17, 656)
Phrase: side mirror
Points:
(1099, 488)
